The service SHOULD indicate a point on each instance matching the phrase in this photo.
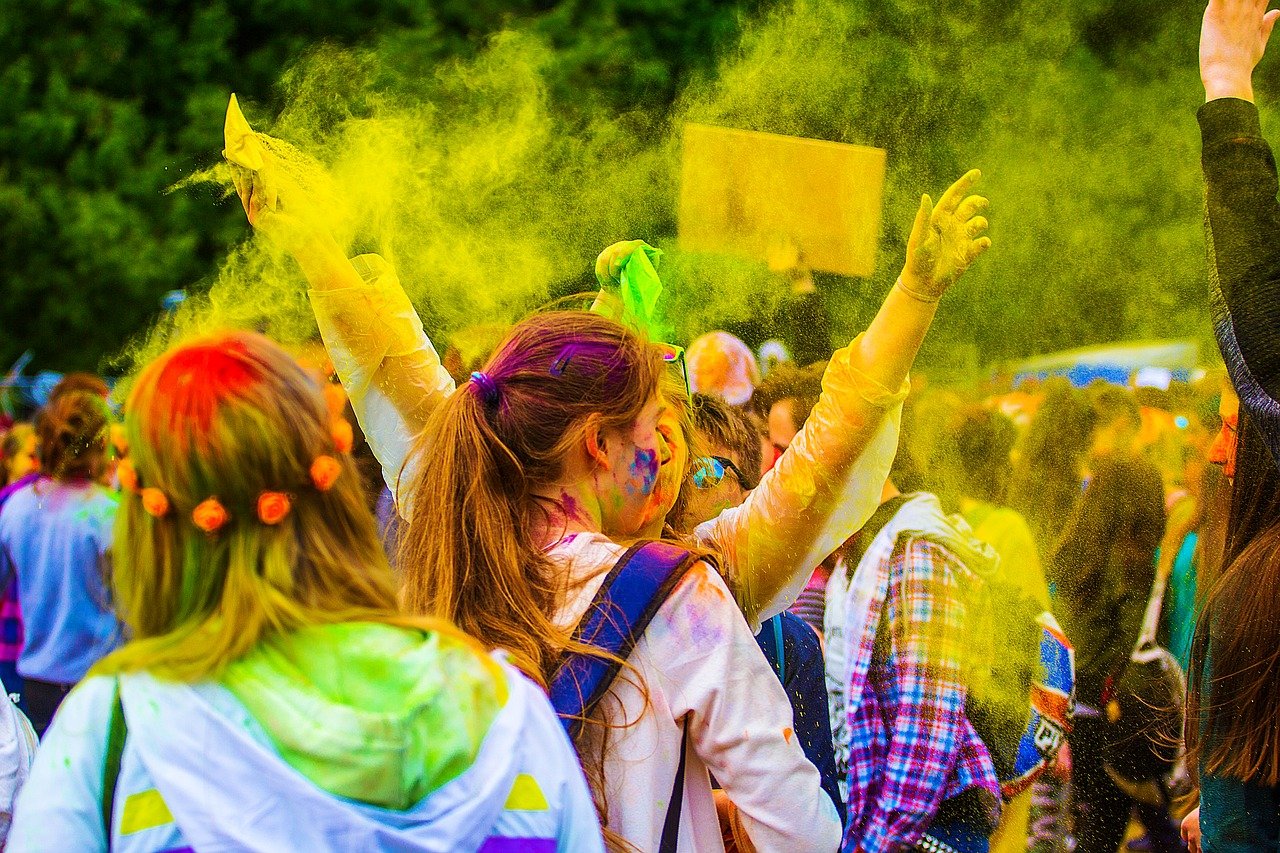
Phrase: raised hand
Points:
(1233, 38)
(610, 261)
(945, 240)
(256, 195)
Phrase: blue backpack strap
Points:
(627, 601)
(772, 643)
(781, 656)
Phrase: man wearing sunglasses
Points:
(722, 479)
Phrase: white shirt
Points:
(699, 660)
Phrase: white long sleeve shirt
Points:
(699, 662)
(821, 491)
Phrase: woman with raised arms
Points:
(821, 491)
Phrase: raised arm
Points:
(828, 482)
(372, 333)
(1243, 217)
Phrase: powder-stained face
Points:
(671, 474)
(633, 486)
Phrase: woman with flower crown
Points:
(271, 696)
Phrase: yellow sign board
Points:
(758, 194)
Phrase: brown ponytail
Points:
(474, 551)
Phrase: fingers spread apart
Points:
(977, 247)
(955, 193)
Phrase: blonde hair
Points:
(231, 416)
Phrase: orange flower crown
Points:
(272, 507)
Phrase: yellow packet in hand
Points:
(269, 173)
(242, 145)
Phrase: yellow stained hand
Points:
(609, 263)
(945, 240)
(257, 197)
(251, 164)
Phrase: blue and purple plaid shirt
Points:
(911, 745)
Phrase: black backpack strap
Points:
(626, 602)
(671, 824)
(117, 730)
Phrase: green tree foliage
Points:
(1081, 114)
(105, 105)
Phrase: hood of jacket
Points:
(385, 737)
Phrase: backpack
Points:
(1020, 754)
(774, 651)
(1052, 702)
(628, 599)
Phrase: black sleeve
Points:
(1243, 223)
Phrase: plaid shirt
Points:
(911, 745)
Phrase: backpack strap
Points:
(671, 824)
(1155, 602)
(779, 648)
(772, 646)
(117, 731)
(626, 602)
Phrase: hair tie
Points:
(488, 388)
(210, 515)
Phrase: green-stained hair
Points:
(231, 416)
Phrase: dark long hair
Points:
(1233, 700)
(1105, 562)
(474, 552)
(1045, 486)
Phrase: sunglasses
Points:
(711, 471)
(672, 354)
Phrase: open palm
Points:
(945, 240)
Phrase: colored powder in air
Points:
(490, 196)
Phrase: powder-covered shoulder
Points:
(15, 507)
(703, 580)
(85, 713)
(698, 617)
